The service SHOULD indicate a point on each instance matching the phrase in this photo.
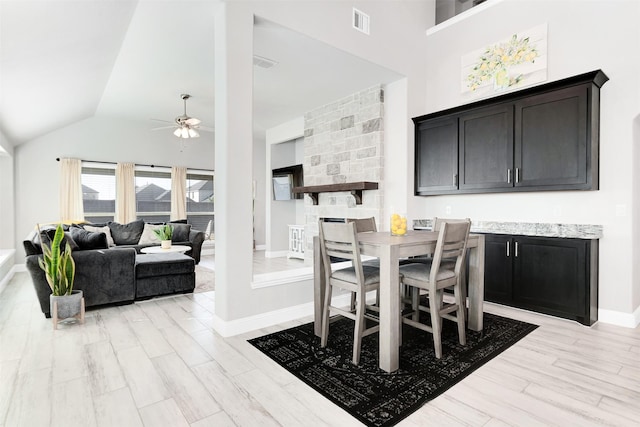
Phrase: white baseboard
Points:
(261, 247)
(628, 320)
(251, 323)
(275, 254)
(17, 268)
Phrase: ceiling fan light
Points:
(177, 132)
(184, 133)
(193, 133)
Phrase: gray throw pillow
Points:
(180, 232)
(126, 234)
(87, 240)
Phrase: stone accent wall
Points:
(344, 142)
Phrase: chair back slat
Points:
(452, 243)
(364, 225)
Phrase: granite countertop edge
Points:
(569, 231)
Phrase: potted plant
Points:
(60, 270)
(164, 233)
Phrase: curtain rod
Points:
(137, 164)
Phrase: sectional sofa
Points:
(109, 263)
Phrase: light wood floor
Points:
(158, 363)
(262, 264)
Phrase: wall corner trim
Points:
(618, 318)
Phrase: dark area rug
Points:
(372, 396)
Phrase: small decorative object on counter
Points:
(398, 224)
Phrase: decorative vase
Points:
(165, 244)
(68, 305)
(398, 224)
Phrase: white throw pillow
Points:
(148, 236)
(106, 230)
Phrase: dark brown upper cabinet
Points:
(537, 139)
(437, 153)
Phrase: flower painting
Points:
(517, 61)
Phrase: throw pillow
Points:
(87, 240)
(103, 229)
(180, 232)
(47, 234)
(148, 236)
(127, 234)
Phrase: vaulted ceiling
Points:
(62, 61)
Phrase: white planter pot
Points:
(165, 244)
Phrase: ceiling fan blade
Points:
(164, 121)
(164, 127)
(205, 128)
(192, 121)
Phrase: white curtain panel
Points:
(71, 208)
(125, 193)
(178, 193)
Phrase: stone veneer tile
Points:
(372, 125)
(333, 169)
(347, 122)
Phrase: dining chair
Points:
(341, 240)
(437, 276)
(365, 225)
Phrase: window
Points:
(153, 194)
(98, 192)
(200, 202)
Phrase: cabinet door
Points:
(486, 148)
(436, 162)
(551, 140)
(498, 268)
(550, 276)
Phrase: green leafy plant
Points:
(59, 266)
(165, 232)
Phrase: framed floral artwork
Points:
(517, 61)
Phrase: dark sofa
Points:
(106, 274)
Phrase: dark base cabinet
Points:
(555, 276)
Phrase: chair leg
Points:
(415, 303)
(460, 313)
(435, 303)
(325, 316)
(359, 328)
(352, 306)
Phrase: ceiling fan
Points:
(185, 126)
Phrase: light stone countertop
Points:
(573, 231)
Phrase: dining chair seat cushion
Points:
(371, 275)
(421, 272)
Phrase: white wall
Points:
(581, 38)
(7, 204)
(259, 176)
(283, 212)
(95, 139)
(329, 22)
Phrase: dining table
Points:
(390, 249)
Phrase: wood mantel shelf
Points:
(354, 187)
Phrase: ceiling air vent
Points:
(360, 21)
(263, 62)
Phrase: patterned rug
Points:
(371, 395)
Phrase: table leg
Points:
(476, 285)
(389, 309)
(319, 286)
